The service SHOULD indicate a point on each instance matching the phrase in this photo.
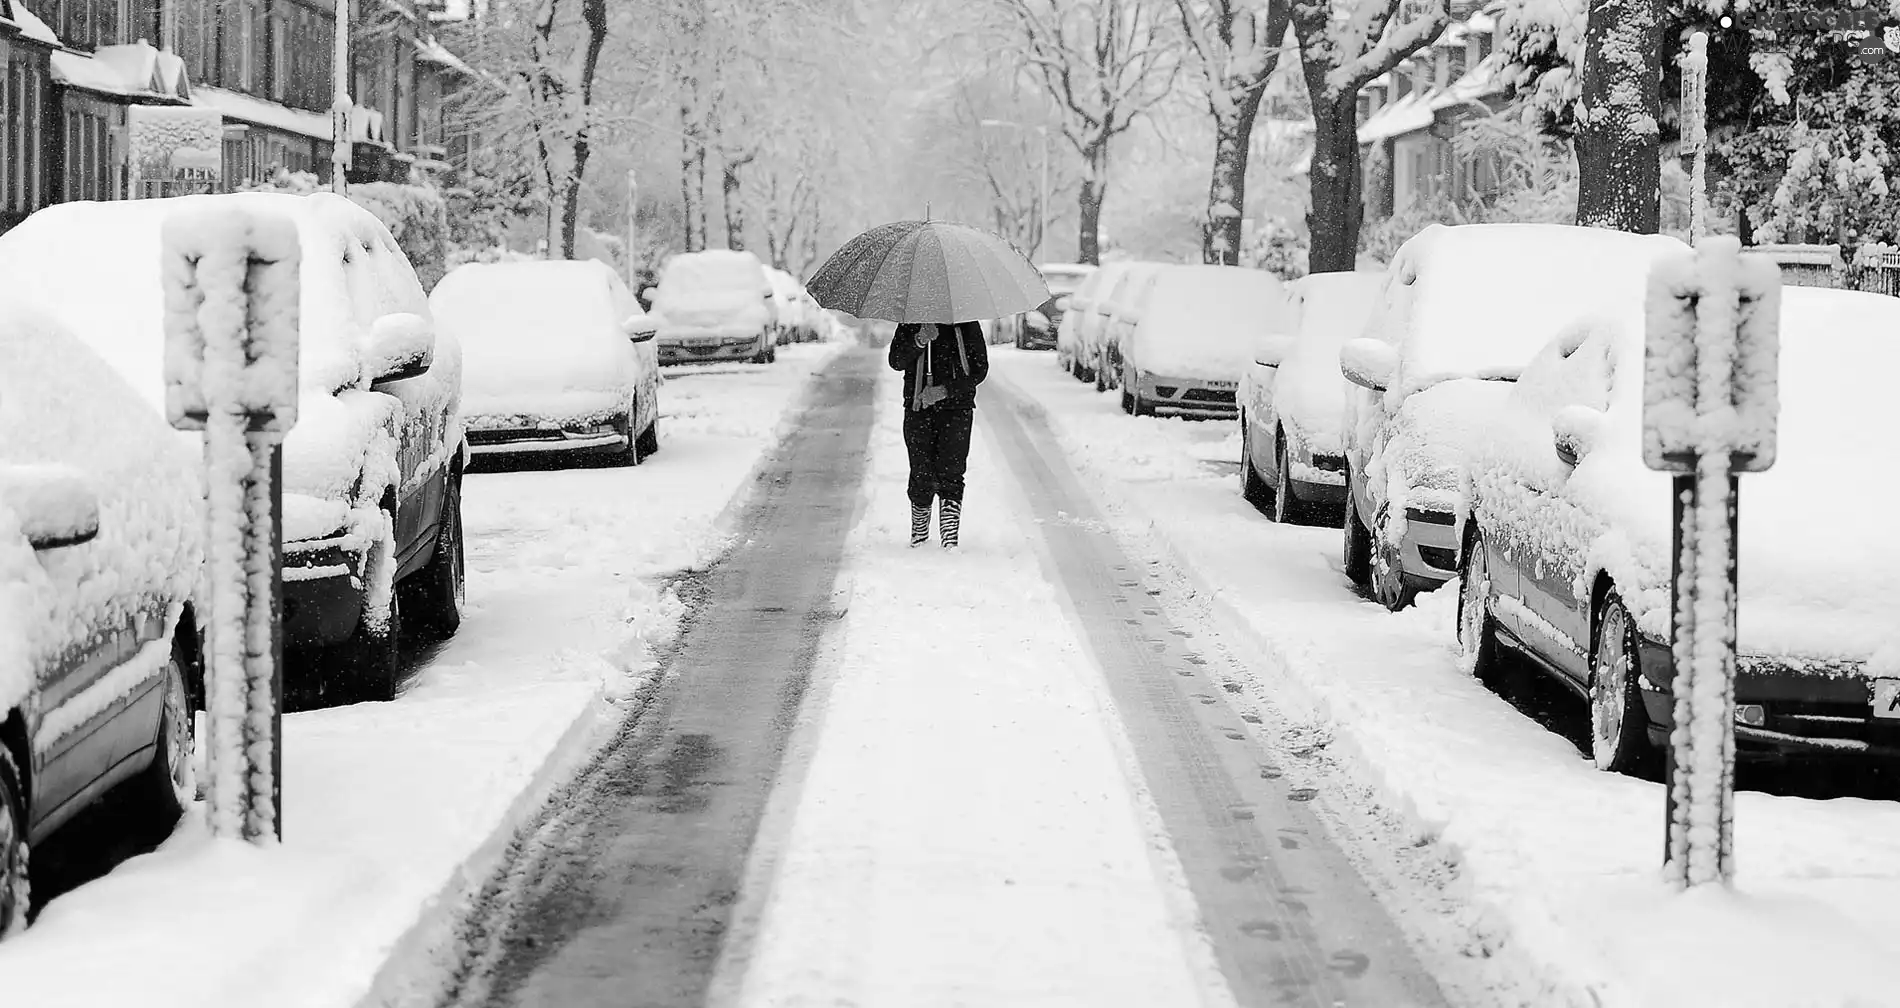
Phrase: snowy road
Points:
(626, 892)
(1013, 777)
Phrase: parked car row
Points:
(1036, 329)
(1174, 340)
(101, 501)
(1483, 410)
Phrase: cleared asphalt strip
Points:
(623, 895)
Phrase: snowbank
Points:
(1202, 321)
(541, 340)
(1546, 870)
(395, 812)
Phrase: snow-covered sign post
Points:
(1709, 412)
(231, 317)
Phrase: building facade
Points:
(1409, 116)
(82, 76)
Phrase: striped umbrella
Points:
(928, 271)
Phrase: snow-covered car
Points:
(372, 489)
(1071, 355)
(715, 306)
(101, 539)
(1464, 308)
(1292, 398)
(1567, 552)
(798, 314)
(557, 357)
(1185, 349)
(1036, 329)
(1102, 336)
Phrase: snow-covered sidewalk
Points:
(1556, 864)
(964, 823)
(394, 811)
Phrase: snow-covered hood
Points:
(1433, 437)
(716, 317)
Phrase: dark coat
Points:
(946, 363)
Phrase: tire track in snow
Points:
(623, 892)
(1291, 920)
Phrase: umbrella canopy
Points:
(928, 271)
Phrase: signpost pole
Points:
(1709, 413)
(633, 205)
(231, 332)
(342, 136)
(1695, 141)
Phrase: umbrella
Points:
(928, 271)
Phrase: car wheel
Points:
(1286, 507)
(630, 455)
(1390, 585)
(771, 356)
(1142, 406)
(1252, 488)
(1356, 558)
(368, 667)
(1477, 631)
(167, 785)
(14, 894)
(1619, 727)
(442, 586)
(649, 442)
(1128, 402)
(1101, 375)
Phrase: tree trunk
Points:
(1089, 204)
(1619, 165)
(594, 13)
(735, 213)
(1227, 191)
(1333, 222)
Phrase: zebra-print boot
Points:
(951, 514)
(919, 525)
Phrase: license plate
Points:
(1887, 699)
(1223, 385)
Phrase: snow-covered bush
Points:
(1277, 247)
(414, 212)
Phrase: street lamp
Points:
(1042, 201)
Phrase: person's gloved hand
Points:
(931, 396)
(926, 334)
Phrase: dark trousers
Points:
(938, 439)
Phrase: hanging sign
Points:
(175, 151)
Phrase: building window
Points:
(21, 130)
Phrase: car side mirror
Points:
(1576, 430)
(56, 506)
(1272, 350)
(1368, 363)
(640, 328)
(402, 346)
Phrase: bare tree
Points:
(1343, 47)
(1105, 64)
(1237, 45)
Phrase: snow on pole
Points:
(231, 330)
(1710, 405)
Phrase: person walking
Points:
(942, 366)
